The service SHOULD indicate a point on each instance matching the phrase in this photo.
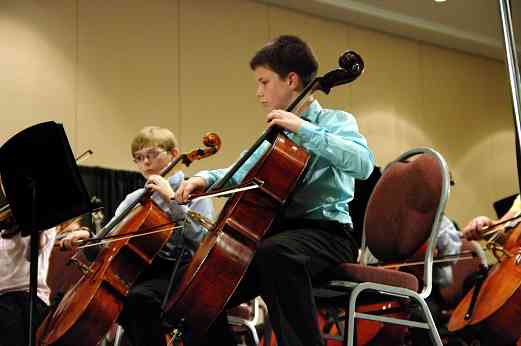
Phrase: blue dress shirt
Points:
(339, 154)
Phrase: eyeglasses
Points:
(150, 155)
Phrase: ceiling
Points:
(469, 25)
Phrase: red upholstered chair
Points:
(403, 213)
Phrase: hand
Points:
(286, 120)
(74, 238)
(472, 231)
(187, 187)
(161, 185)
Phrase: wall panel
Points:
(218, 39)
(37, 71)
(128, 74)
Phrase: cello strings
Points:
(124, 236)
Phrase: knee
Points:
(139, 306)
(133, 300)
(268, 250)
(275, 255)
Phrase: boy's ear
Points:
(174, 152)
(294, 81)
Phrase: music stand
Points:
(43, 187)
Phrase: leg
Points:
(286, 264)
(141, 313)
(282, 271)
(14, 317)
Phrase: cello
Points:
(503, 316)
(497, 304)
(93, 304)
(225, 254)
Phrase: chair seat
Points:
(358, 273)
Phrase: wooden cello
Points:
(93, 304)
(497, 306)
(224, 255)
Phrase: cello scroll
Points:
(213, 143)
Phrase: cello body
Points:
(498, 305)
(224, 255)
(93, 304)
(514, 238)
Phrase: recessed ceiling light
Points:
(440, 0)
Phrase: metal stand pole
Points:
(512, 63)
(33, 273)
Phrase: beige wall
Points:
(107, 68)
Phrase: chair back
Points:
(405, 209)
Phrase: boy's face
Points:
(274, 92)
(151, 160)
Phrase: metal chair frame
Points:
(357, 288)
(250, 324)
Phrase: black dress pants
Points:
(140, 317)
(14, 318)
(282, 271)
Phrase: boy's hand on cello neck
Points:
(286, 120)
(159, 184)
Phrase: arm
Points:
(341, 144)
(211, 177)
(72, 235)
(335, 137)
(473, 229)
(449, 241)
(204, 179)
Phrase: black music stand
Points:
(43, 187)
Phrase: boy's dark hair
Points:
(287, 54)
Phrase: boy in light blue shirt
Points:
(313, 232)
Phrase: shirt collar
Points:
(312, 111)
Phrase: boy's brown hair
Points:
(287, 54)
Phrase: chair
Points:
(403, 213)
(244, 318)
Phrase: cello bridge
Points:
(499, 251)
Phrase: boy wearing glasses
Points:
(152, 149)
